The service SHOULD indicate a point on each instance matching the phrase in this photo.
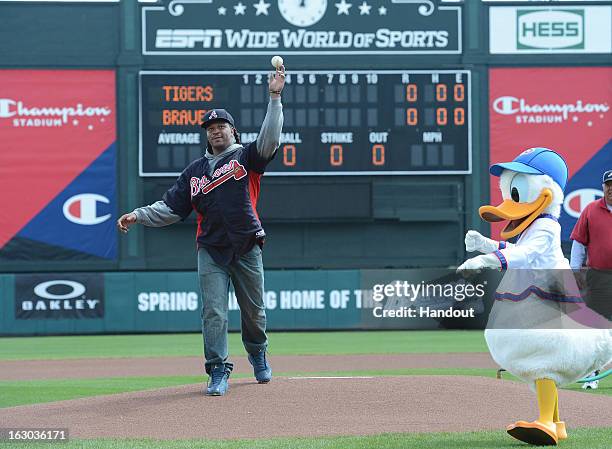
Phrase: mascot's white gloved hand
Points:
(486, 261)
(475, 241)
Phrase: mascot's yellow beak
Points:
(520, 215)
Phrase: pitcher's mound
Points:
(309, 406)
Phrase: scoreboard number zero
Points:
(335, 122)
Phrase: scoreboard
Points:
(387, 122)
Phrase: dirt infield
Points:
(193, 366)
(308, 407)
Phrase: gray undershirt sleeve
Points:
(156, 215)
(269, 135)
(578, 255)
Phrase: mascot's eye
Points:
(519, 188)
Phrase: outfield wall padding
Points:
(143, 302)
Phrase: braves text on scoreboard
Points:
(335, 122)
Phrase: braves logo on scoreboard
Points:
(312, 27)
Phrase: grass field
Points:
(72, 347)
(169, 345)
(596, 438)
(281, 343)
(14, 393)
(23, 392)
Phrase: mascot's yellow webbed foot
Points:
(535, 432)
(561, 432)
(547, 430)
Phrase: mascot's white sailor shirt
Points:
(538, 247)
(538, 283)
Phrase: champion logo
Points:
(82, 209)
(537, 113)
(25, 115)
(233, 169)
(508, 105)
(576, 201)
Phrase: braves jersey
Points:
(224, 197)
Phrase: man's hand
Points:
(125, 221)
(276, 82)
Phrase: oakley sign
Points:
(75, 289)
(63, 296)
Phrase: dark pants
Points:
(599, 291)
(247, 276)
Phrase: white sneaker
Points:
(593, 385)
(590, 385)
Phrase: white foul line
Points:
(331, 377)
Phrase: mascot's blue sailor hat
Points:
(536, 161)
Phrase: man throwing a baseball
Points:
(223, 188)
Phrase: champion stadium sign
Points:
(309, 27)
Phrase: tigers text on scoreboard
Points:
(335, 122)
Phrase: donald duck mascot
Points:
(529, 332)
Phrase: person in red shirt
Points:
(592, 243)
(592, 234)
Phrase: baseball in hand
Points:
(277, 62)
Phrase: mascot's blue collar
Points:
(552, 217)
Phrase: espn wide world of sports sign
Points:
(312, 27)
